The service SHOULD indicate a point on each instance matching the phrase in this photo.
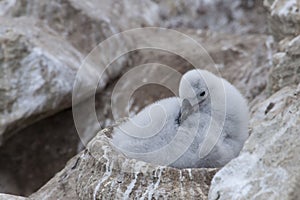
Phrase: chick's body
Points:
(209, 114)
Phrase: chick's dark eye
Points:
(202, 94)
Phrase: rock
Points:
(102, 173)
(37, 74)
(292, 47)
(38, 69)
(226, 16)
(29, 48)
(11, 197)
(44, 55)
(286, 69)
(86, 23)
(284, 24)
(269, 164)
(284, 17)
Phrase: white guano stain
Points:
(108, 171)
(130, 187)
(191, 190)
(285, 9)
(152, 187)
(137, 170)
(181, 186)
(190, 173)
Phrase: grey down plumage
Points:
(206, 126)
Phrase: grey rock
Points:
(292, 47)
(37, 74)
(226, 16)
(284, 16)
(86, 23)
(268, 166)
(47, 49)
(286, 69)
(11, 197)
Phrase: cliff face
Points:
(42, 46)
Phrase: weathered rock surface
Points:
(37, 74)
(86, 23)
(11, 197)
(268, 166)
(40, 51)
(226, 16)
(286, 69)
(102, 173)
(284, 17)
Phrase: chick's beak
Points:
(197, 106)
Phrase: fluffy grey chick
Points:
(222, 114)
(205, 127)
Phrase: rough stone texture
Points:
(286, 69)
(102, 173)
(30, 47)
(37, 74)
(284, 16)
(11, 197)
(86, 23)
(269, 164)
(227, 16)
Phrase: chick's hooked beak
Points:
(187, 107)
